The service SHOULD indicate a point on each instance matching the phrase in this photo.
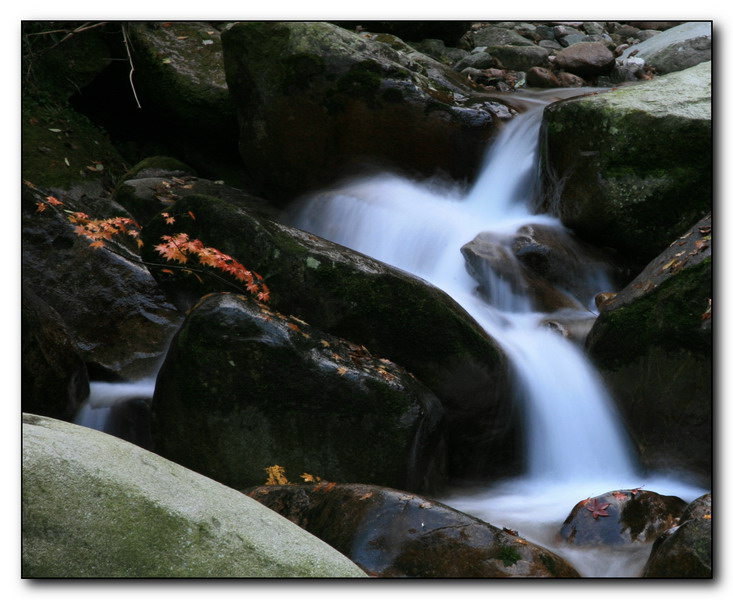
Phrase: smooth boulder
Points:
(94, 506)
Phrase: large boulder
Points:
(393, 314)
(652, 343)
(317, 102)
(631, 168)
(676, 49)
(685, 550)
(390, 533)
(111, 306)
(244, 388)
(179, 68)
(95, 506)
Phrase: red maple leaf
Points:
(597, 508)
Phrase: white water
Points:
(576, 445)
(104, 396)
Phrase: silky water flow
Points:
(575, 443)
(576, 446)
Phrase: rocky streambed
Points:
(380, 388)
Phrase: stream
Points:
(576, 446)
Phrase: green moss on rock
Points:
(631, 168)
(97, 507)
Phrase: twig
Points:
(132, 66)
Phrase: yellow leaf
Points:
(276, 475)
(308, 478)
(342, 370)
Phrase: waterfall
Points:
(120, 409)
(576, 446)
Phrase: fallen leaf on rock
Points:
(598, 509)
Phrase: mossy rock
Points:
(631, 168)
(342, 292)
(653, 346)
(94, 506)
(63, 150)
(180, 70)
(244, 388)
(317, 102)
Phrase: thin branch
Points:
(69, 34)
(132, 66)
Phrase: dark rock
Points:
(390, 533)
(113, 309)
(652, 343)
(317, 102)
(476, 60)
(573, 38)
(360, 299)
(631, 168)
(179, 68)
(544, 32)
(593, 28)
(449, 32)
(54, 378)
(147, 191)
(244, 388)
(586, 59)
(181, 86)
(685, 551)
(549, 45)
(520, 58)
(498, 36)
(439, 51)
(620, 518)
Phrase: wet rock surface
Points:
(244, 388)
(621, 517)
(391, 533)
(685, 551)
(652, 343)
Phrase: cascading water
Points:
(576, 446)
(119, 408)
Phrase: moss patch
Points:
(669, 317)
